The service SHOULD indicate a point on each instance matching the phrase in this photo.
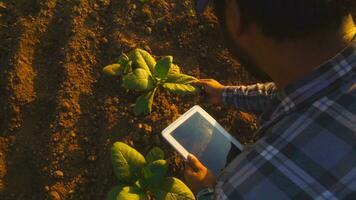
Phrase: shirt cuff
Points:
(205, 194)
(224, 95)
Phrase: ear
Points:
(233, 17)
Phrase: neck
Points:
(289, 61)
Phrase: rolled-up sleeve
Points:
(252, 98)
(205, 194)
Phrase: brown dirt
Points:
(57, 111)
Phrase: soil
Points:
(59, 115)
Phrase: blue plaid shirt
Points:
(309, 146)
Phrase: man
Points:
(307, 115)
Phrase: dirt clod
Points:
(58, 174)
(92, 158)
(54, 195)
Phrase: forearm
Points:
(252, 98)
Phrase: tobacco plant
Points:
(143, 177)
(141, 72)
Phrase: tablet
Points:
(197, 133)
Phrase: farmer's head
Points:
(252, 25)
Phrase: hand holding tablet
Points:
(196, 132)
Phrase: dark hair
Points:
(286, 19)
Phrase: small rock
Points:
(139, 125)
(3, 5)
(92, 158)
(72, 134)
(58, 174)
(66, 106)
(203, 55)
(147, 128)
(54, 195)
(148, 30)
(147, 48)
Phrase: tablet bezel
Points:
(166, 133)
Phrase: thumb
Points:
(195, 163)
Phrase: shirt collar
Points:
(321, 81)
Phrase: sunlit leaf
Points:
(180, 78)
(142, 59)
(127, 162)
(113, 69)
(123, 66)
(138, 80)
(126, 193)
(172, 189)
(174, 69)
(182, 89)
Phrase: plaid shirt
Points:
(309, 146)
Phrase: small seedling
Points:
(140, 72)
(141, 178)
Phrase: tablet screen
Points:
(202, 139)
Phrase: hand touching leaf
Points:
(141, 72)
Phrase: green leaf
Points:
(178, 88)
(174, 69)
(163, 66)
(123, 66)
(144, 103)
(180, 78)
(138, 80)
(172, 189)
(180, 84)
(126, 193)
(155, 154)
(155, 172)
(127, 162)
(113, 69)
(142, 59)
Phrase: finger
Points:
(200, 83)
(195, 163)
(207, 79)
(188, 172)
